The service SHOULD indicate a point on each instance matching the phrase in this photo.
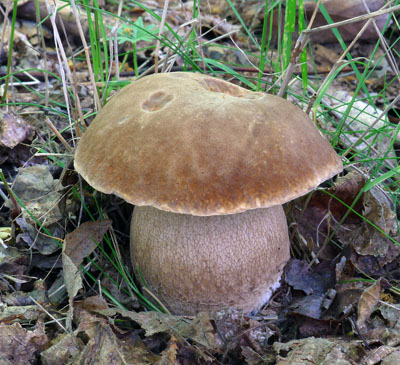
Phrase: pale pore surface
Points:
(195, 263)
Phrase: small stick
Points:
(58, 134)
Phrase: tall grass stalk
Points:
(10, 51)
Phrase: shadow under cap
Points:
(191, 143)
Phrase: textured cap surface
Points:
(195, 144)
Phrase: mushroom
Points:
(208, 165)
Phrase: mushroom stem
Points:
(197, 263)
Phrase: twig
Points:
(49, 314)
(58, 134)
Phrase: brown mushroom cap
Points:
(191, 143)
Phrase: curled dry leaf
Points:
(14, 129)
(8, 314)
(367, 303)
(168, 356)
(252, 357)
(93, 313)
(378, 210)
(322, 213)
(373, 249)
(43, 243)
(14, 263)
(301, 277)
(20, 346)
(22, 298)
(391, 314)
(106, 343)
(384, 326)
(106, 348)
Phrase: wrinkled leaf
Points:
(168, 356)
(367, 303)
(18, 345)
(39, 192)
(65, 349)
(82, 241)
(378, 210)
(105, 348)
(317, 351)
(14, 129)
(78, 245)
(199, 329)
(43, 243)
(300, 277)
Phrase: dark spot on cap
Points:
(157, 101)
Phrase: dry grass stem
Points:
(49, 314)
(58, 134)
(86, 48)
(355, 19)
(164, 15)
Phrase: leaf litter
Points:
(338, 303)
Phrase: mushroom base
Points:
(194, 263)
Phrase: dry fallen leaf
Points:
(367, 303)
(78, 245)
(168, 356)
(378, 355)
(392, 358)
(14, 129)
(45, 244)
(109, 348)
(15, 264)
(65, 348)
(301, 277)
(19, 345)
(199, 329)
(82, 241)
(39, 192)
(318, 351)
